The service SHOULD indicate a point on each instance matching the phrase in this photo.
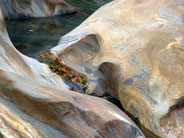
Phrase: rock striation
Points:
(35, 102)
(134, 50)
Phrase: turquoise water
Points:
(40, 34)
(37, 35)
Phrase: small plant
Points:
(65, 72)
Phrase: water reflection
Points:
(41, 34)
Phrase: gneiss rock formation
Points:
(35, 102)
(134, 50)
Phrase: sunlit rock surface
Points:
(34, 8)
(134, 50)
(35, 102)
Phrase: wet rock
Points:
(134, 50)
(35, 102)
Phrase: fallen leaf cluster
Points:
(66, 72)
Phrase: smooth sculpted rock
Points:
(134, 49)
(35, 103)
(34, 8)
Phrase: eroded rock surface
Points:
(134, 50)
(34, 8)
(35, 102)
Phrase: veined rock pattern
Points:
(134, 50)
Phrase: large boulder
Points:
(34, 102)
(134, 50)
